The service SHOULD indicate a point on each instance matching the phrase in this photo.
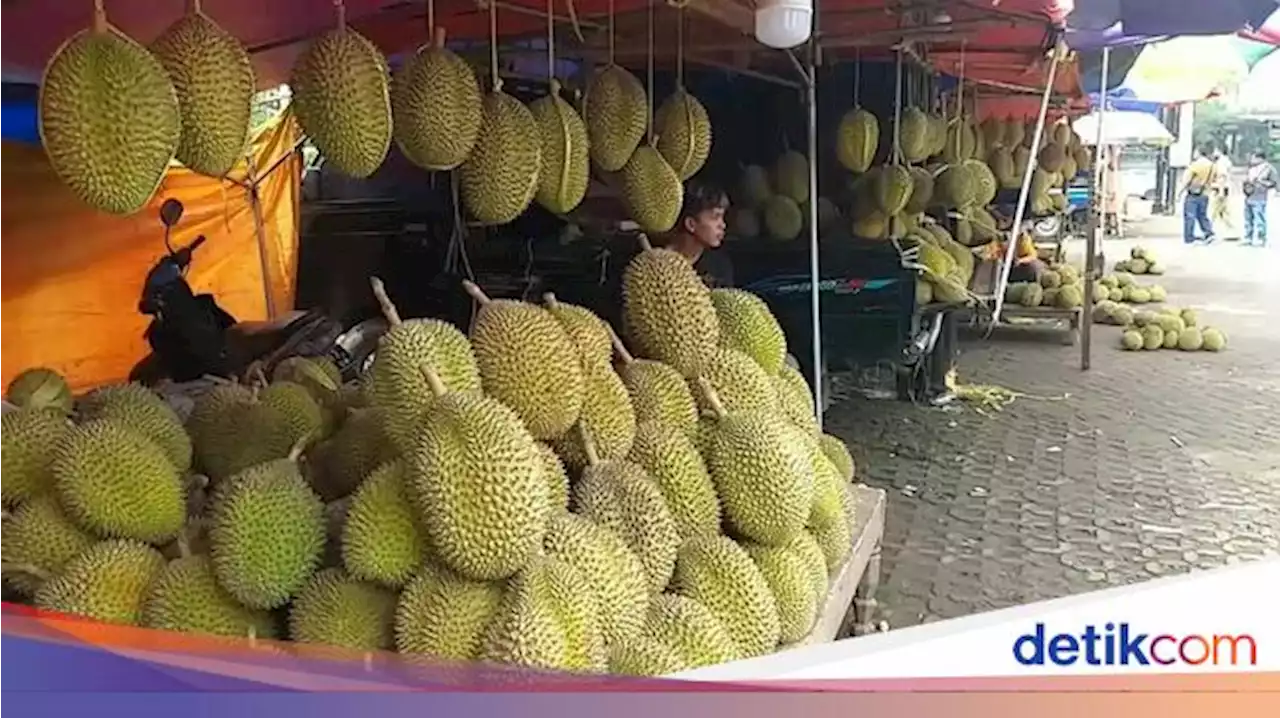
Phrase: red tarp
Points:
(1007, 47)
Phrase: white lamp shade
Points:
(784, 24)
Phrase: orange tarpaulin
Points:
(72, 276)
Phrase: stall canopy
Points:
(1123, 127)
(1003, 43)
(1130, 20)
(72, 276)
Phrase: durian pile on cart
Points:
(542, 490)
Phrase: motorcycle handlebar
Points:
(196, 244)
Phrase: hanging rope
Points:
(493, 45)
(551, 41)
(857, 76)
(680, 46)
(897, 110)
(612, 31)
(431, 19)
(650, 93)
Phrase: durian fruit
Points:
(743, 222)
(589, 333)
(548, 619)
(921, 194)
(718, 573)
(356, 449)
(612, 570)
(892, 189)
(320, 377)
(658, 392)
(476, 479)
(795, 398)
(185, 596)
(607, 413)
(207, 410)
(746, 324)
(792, 587)
(139, 409)
(396, 385)
(641, 655)
(107, 582)
(984, 182)
(954, 187)
(670, 457)
(383, 539)
(337, 610)
(525, 358)
(651, 190)
(109, 118)
(913, 135)
(740, 384)
(565, 167)
(117, 483)
(267, 533)
(303, 417)
(40, 387)
(691, 629)
(667, 311)
(1001, 163)
(616, 112)
(556, 477)
(622, 498)
(782, 218)
(806, 547)
(769, 503)
(992, 131)
(500, 177)
(39, 540)
(857, 138)
(683, 133)
(791, 176)
(444, 615)
(753, 187)
(837, 452)
(214, 79)
(1051, 157)
(436, 106)
(342, 97)
(29, 436)
(1214, 340)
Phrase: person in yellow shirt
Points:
(1194, 193)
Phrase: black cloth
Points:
(715, 268)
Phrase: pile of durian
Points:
(1060, 285)
(1164, 328)
(774, 202)
(1141, 261)
(538, 493)
(114, 113)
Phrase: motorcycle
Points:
(192, 337)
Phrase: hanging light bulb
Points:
(784, 24)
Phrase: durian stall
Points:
(649, 498)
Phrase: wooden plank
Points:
(867, 534)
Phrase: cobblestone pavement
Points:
(1155, 463)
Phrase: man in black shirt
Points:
(701, 228)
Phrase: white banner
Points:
(1223, 620)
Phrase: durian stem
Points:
(388, 308)
(650, 93)
(645, 245)
(193, 6)
(550, 300)
(476, 292)
(299, 446)
(612, 33)
(368, 658)
(184, 545)
(588, 444)
(551, 41)
(253, 637)
(713, 399)
(619, 347)
(100, 16)
(493, 45)
(439, 37)
(434, 382)
(342, 13)
(196, 482)
(31, 570)
(680, 51)
(431, 24)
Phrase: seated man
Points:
(700, 228)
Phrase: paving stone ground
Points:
(1155, 463)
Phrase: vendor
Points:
(699, 232)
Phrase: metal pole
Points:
(1018, 214)
(1091, 240)
(815, 275)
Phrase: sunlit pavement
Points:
(1155, 463)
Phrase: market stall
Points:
(545, 404)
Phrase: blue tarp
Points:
(1099, 23)
(18, 113)
(1123, 100)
